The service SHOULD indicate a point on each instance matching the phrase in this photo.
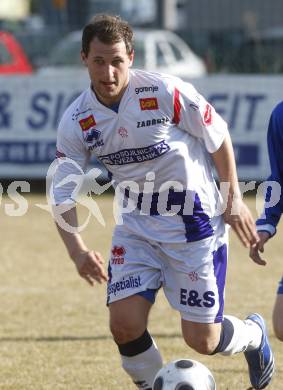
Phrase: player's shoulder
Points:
(78, 107)
(278, 110)
(275, 125)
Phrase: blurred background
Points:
(231, 51)
(54, 329)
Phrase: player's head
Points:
(108, 29)
(107, 51)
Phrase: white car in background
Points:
(155, 50)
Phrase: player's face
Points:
(108, 67)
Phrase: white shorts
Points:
(192, 274)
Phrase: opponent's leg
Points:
(278, 313)
(140, 356)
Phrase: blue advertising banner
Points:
(31, 107)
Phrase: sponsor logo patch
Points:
(153, 122)
(207, 116)
(118, 253)
(152, 88)
(194, 299)
(124, 284)
(87, 123)
(91, 135)
(149, 104)
(137, 155)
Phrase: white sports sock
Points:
(246, 336)
(143, 367)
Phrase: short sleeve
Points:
(192, 113)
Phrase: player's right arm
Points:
(89, 264)
(72, 158)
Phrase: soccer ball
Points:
(184, 374)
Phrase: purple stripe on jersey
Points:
(280, 287)
(197, 225)
(220, 268)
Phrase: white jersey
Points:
(162, 133)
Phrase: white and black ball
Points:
(184, 374)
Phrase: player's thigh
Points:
(202, 337)
(133, 266)
(194, 279)
(278, 317)
(129, 317)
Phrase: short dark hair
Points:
(108, 29)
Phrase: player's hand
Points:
(254, 251)
(90, 266)
(239, 217)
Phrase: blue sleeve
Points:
(275, 151)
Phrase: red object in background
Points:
(13, 59)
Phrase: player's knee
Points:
(277, 317)
(124, 331)
(278, 330)
(202, 344)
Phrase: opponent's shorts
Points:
(280, 287)
(192, 274)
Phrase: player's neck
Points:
(110, 102)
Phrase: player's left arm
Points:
(199, 118)
(236, 213)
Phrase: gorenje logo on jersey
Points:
(149, 104)
(152, 88)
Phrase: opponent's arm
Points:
(236, 213)
(267, 222)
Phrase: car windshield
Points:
(5, 57)
(67, 54)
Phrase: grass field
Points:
(54, 327)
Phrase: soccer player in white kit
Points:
(159, 138)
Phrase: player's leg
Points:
(230, 336)
(134, 277)
(234, 336)
(195, 287)
(139, 354)
(278, 313)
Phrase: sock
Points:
(238, 336)
(141, 360)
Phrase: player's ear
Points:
(131, 57)
(83, 58)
